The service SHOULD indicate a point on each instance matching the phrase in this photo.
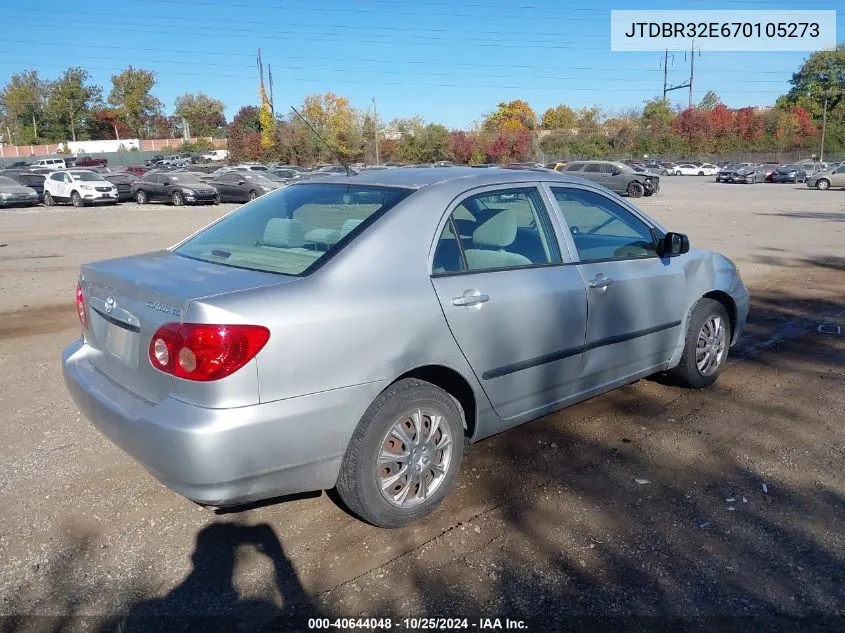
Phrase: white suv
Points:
(79, 187)
(51, 163)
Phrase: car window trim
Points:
(476, 191)
(657, 231)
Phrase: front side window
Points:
(603, 229)
(593, 168)
(86, 176)
(509, 228)
(58, 177)
(293, 229)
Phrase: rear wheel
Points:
(253, 195)
(706, 347)
(404, 456)
(822, 183)
(76, 199)
(701, 173)
(635, 190)
(141, 197)
(48, 199)
(177, 199)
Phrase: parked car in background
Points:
(618, 177)
(90, 161)
(748, 174)
(768, 170)
(834, 177)
(51, 163)
(696, 169)
(558, 165)
(123, 181)
(251, 167)
(14, 194)
(667, 168)
(234, 358)
(138, 170)
(178, 188)
(729, 173)
(27, 179)
(485, 165)
(80, 187)
(242, 186)
(153, 160)
(789, 173)
(215, 155)
(286, 173)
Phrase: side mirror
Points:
(616, 172)
(674, 244)
(242, 182)
(166, 183)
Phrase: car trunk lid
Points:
(128, 299)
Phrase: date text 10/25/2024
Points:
(416, 624)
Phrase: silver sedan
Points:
(362, 332)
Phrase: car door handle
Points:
(601, 282)
(470, 298)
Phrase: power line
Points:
(382, 60)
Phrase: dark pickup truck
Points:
(90, 161)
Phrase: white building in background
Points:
(101, 147)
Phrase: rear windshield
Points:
(290, 230)
(86, 176)
(7, 182)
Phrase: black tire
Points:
(177, 199)
(358, 482)
(216, 199)
(48, 199)
(701, 173)
(76, 200)
(141, 196)
(252, 195)
(635, 190)
(822, 184)
(686, 372)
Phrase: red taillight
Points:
(196, 351)
(80, 306)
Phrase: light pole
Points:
(825, 78)
(375, 128)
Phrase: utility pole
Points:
(375, 128)
(691, 70)
(665, 73)
(824, 127)
(116, 133)
(270, 80)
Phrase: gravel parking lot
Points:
(742, 516)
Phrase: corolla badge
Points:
(163, 307)
(110, 303)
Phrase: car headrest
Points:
(284, 233)
(348, 227)
(498, 231)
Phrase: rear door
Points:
(516, 309)
(837, 178)
(636, 300)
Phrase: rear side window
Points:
(497, 230)
(574, 167)
(292, 230)
(593, 168)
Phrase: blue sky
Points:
(448, 61)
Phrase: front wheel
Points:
(635, 190)
(253, 195)
(141, 197)
(822, 183)
(177, 199)
(404, 456)
(76, 199)
(706, 347)
(701, 173)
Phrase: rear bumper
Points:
(223, 457)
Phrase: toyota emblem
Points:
(110, 303)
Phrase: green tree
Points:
(205, 116)
(420, 143)
(709, 101)
(561, 117)
(22, 103)
(336, 121)
(69, 103)
(822, 74)
(131, 94)
(511, 116)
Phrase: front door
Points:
(636, 300)
(837, 178)
(516, 310)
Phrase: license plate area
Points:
(122, 343)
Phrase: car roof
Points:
(417, 178)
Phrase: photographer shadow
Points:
(207, 600)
